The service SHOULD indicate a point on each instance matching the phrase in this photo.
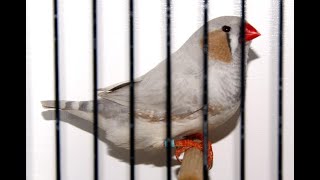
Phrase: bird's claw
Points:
(187, 143)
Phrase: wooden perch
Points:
(191, 167)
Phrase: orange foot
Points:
(184, 144)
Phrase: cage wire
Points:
(57, 88)
(168, 102)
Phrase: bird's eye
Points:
(226, 28)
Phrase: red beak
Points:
(251, 32)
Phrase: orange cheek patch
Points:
(218, 46)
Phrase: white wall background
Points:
(76, 83)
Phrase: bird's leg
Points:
(190, 141)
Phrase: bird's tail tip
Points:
(52, 104)
(48, 104)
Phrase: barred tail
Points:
(69, 105)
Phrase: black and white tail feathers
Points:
(70, 105)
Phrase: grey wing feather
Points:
(150, 93)
(118, 86)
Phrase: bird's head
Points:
(224, 38)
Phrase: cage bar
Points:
(205, 90)
(243, 92)
(57, 89)
(95, 91)
(280, 92)
(132, 109)
(168, 89)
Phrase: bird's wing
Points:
(150, 96)
(117, 86)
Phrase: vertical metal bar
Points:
(280, 93)
(205, 91)
(243, 88)
(132, 120)
(168, 46)
(95, 90)
(57, 88)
